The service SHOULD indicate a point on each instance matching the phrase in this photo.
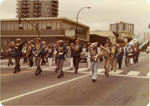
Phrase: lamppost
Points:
(36, 28)
(77, 18)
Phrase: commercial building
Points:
(102, 36)
(48, 29)
(37, 8)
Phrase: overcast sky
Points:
(101, 14)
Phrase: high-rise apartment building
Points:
(37, 8)
(122, 26)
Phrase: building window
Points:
(43, 25)
(54, 26)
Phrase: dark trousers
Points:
(25, 59)
(119, 62)
(10, 60)
(76, 61)
(38, 68)
(17, 64)
(127, 61)
(43, 60)
(30, 59)
(59, 66)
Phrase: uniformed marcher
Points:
(24, 52)
(10, 54)
(38, 50)
(94, 60)
(76, 51)
(18, 54)
(30, 54)
(107, 58)
(60, 57)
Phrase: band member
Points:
(114, 58)
(38, 50)
(24, 52)
(18, 54)
(106, 54)
(30, 53)
(76, 50)
(88, 55)
(136, 53)
(126, 52)
(60, 56)
(43, 53)
(120, 56)
(94, 60)
(100, 53)
(10, 54)
(131, 55)
(69, 54)
(50, 52)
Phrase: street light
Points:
(76, 36)
(30, 24)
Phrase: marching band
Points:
(40, 53)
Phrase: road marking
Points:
(101, 70)
(82, 69)
(117, 72)
(133, 73)
(42, 89)
(2, 75)
(148, 74)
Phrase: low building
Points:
(102, 36)
(48, 29)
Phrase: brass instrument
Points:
(60, 51)
(93, 52)
(107, 53)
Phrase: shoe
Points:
(76, 72)
(19, 70)
(36, 73)
(15, 72)
(93, 80)
(59, 76)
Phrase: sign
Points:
(70, 33)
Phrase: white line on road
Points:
(42, 89)
(148, 74)
(101, 70)
(117, 72)
(133, 73)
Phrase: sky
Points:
(101, 14)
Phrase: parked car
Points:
(83, 58)
(148, 49)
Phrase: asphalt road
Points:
(128, 86)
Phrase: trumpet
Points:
(95, 58)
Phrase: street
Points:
(127, 86)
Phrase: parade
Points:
(37, 52)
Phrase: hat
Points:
(94, 44)
(38, 39)
(60, 41)
(18, 39)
